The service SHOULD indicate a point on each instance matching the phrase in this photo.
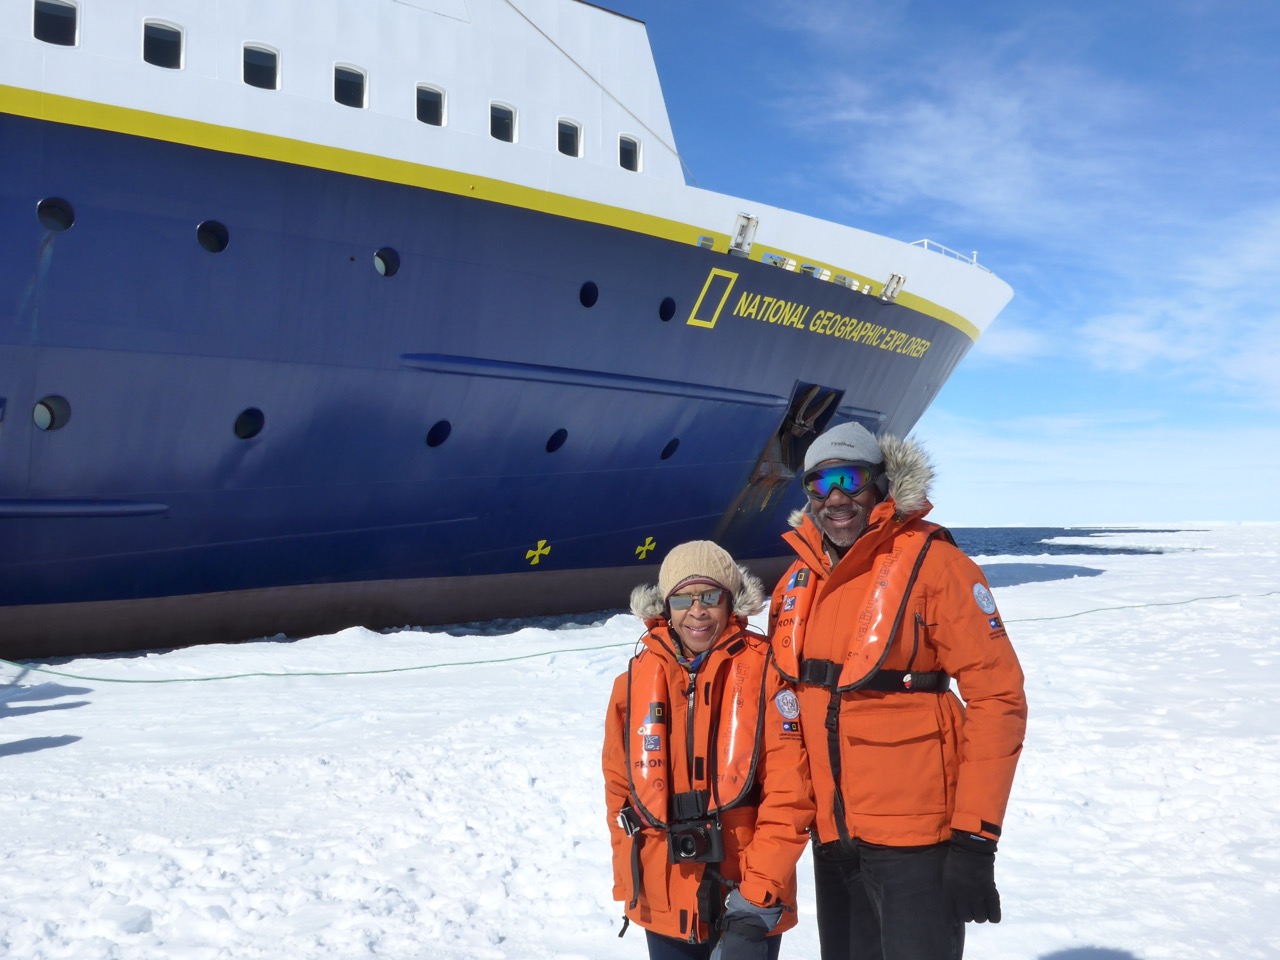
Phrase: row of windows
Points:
(53, 412)
(56, 22)
(57, 215)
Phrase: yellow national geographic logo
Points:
(799, 316)
(714, 295)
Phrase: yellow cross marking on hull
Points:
(644, 549)
(534, 556)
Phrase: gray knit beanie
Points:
(849, 443)
(698, 560)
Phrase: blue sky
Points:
(1117, 164)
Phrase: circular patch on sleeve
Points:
(986, 601)
(788, 704)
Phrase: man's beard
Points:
(844, 537)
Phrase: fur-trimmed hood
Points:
(910, 473)
(647, 601)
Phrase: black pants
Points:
(884, 903)
(669, 948)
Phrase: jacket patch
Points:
(798, 579)
(986, 602)
(788, 604)
(788, 705)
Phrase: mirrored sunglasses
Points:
(851, 478)
(709, 598)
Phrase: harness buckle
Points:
(821, 673)
(629, 821)
(833, 713)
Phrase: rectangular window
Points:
(569, 139)
(162, 45)
(628, 153)
(348, 86)
(261, 67)
(431, 106)
(55, 22)
(502, 123)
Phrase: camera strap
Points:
(632, 826)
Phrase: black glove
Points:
(969, 878)
(743, 928)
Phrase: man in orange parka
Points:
(706, 780)
(877, 617)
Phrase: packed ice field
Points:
(435, 793)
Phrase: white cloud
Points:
(1041, 131)
(1216, 321)
(999, 136)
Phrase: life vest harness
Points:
(893, 578)
(723, 735)
(822, 672)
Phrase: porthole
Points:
(666, 309)
(213, 236)
(439, 433)
(669, 450)
(55, 214)
(589, 294)
(51, 413)
(557, 439)
(250, 423)
(387, 262)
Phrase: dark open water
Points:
(1030, 541)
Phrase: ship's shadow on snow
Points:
(1090, 953)
(33, 744)
(14, 703)
(1013, 574)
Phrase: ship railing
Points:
(948, 252)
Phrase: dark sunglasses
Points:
(711, 598)
(851, 478)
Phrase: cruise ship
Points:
(320, 313)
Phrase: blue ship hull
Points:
(464, 439)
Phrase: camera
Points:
(697, 841)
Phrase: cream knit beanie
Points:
(698, 560)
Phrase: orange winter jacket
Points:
(912, 766)
(734, 733)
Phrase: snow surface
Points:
(437, 794)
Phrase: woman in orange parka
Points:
(706, 779)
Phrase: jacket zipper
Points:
(693, 699)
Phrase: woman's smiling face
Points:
(700, 624)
